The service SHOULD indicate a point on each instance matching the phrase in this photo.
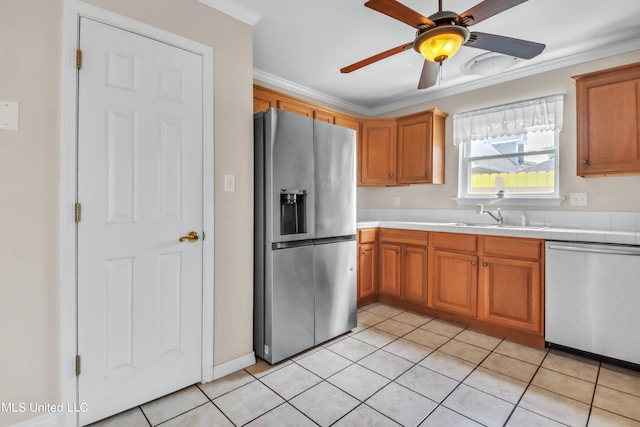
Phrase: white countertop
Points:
(546, 233)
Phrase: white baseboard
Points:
(44, 420)
(233, 365)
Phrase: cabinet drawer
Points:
(454, 242)
(407, 237)
(512, 247)
(367, 235)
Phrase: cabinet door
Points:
(295, 107)
(608, 105)
(347, 122)
(414, 274)
(367, 270)
(323, 116)
(454, 282)
(262, 101)
(378, 153)
(511, 293)
(390, 269)
(414, 149)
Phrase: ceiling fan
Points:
(439, 36)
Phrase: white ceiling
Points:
(301, 45)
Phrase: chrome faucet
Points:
(497, 216)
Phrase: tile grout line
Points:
(593, 395)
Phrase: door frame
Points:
(73, 10)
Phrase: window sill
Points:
(509, 201)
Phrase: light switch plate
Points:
(230, 183)
(9, 115)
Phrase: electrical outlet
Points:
(578, 199)
(396, 201)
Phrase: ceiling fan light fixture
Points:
(442, 42)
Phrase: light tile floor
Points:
(402, 368)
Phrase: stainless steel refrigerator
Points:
(305, 225)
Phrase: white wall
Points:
(29, 74)
(30, 65)
(604, 194)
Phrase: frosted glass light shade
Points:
(440, 43)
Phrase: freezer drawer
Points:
(335, 290)
(288, 306)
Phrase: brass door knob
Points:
(192, 237)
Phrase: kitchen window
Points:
(508, 154)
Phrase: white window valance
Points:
(533, 115)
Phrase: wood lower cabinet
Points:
(414, 274)
(367, 265)
(511, 283)
(608, 121)
(403, 264)
(488, 283)
(390, 272)
(454, 273)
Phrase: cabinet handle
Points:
(426, 174)
(364, 253)
(585, 161)
(390, 175)
(405, 252)
(485, 264)
(473, 263)
(397, 251)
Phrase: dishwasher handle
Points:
(614, 250)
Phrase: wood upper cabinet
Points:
(263, 100)
(347, 122)
(511, 283)
(296, 107)
(367, 263)
(608, 120)
(378, 152)
(421, 148)
(403, 264)
(323, 116)
(454, 272)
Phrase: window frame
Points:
(520, 199)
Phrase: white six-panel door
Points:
(140, 188)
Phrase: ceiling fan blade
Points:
(400, 12)
(376, 58)
(429, 75)
(487, 9)
(505, 45)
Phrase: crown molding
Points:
(554, 64)
(431, 95)
(262, 76)
(235, 10)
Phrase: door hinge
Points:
(77, 209)
(203, 236)
(79, 58)
(77, 365)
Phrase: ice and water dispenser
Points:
(293, 215)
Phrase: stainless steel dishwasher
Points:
(592, 298)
